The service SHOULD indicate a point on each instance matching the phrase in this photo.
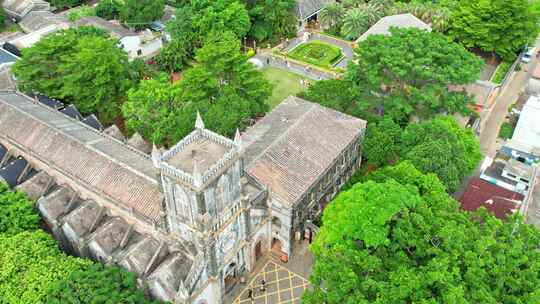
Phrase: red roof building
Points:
(497, 200)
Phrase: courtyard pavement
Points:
(282, 286)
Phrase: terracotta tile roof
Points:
(101, 163)
(499, 201)
(292, 146)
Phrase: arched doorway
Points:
(276, 246)
(276, 223)
(258, 251)
(230, 277)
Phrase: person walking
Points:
(250, 295)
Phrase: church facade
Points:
(190, 220)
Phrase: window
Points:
(511, 175)
(524, 180)
(139, 52)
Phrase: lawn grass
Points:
(317, 53)
(285, 83)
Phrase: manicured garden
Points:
(284, 84)
(317, 53)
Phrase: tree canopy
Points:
(17, 212)
(29, 264)
(399, 238)
(66, 3)
(225, 88)
(410, 71)
(272, 19)
(442, 147)
(78, 66)
(139, 14)
(382, 143)
(97, 284)
(497, 27)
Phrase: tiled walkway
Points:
(282, 286)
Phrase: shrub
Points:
(17, 213)
(506, 131)
(501, 72)
(29, 264)
(97, 284)
(82, 11)
(317, 53)
(108, 9)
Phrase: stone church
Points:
(189, 221)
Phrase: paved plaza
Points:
(282, 286)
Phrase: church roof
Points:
(37, 20)
(291, 147)
(308, 8)
(19, 8)
(97, 161)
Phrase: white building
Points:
(525, 143)
(143, 44)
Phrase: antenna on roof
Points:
(199, 123)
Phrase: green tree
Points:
(400, 238)
(151, 109)
(139, 14)
(17, 213)
(30, 264)
(411, 71)
(381, 145)
(97, 284)
(78, 66)
(66, 3)
(173, 56)
(97, 76)
(223, 86)
(220, 16)
(355, 22)
(108, 9)
(442, 147)
(335, 93)
(332, 15)
(272, 19)
(3, 17)
(497, 27)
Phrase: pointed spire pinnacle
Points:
(197, 178)
(238, 139)
(199, 123)
(156, 155)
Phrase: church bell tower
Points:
(201, 180)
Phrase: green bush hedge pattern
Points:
(317, 53)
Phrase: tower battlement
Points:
(199, 157)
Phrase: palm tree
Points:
(373, 12)
(355, 23)
(332, 14)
